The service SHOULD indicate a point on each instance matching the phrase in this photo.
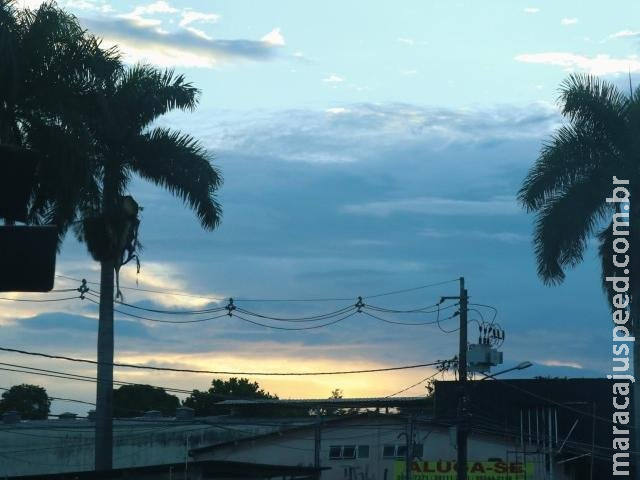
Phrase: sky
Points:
(366, 147)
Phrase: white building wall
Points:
(297, 448)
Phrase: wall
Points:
(56, 446)
(297, 448)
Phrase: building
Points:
(563, 422)
(337, 439)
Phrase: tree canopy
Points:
(134, 400)
(204, 402)
(30, 401)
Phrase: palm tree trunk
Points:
(104, 393)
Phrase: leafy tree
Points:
(204, 402)
(30, 401)
(568, 185)
(134, 400)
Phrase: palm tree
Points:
(49, 70)
(125, 142)
(568, 186)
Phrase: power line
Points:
(168, 292)
(495, 310)
(441, 368)
(311, 318)
(37, 300)
(406, 290)
(158, 320)
(58, 398)
(432, 322)
(333, 322)
(214, 372)
(74, 376)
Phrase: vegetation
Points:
(90, 120)
(204, 402)
(134, 400)
(568, 186)
(50, 69)
(30, 401)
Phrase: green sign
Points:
(446, 470)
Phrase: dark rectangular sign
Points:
(27, 258)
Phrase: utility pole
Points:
(462, 375)
(462, 427)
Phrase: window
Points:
(401, 451)
(363, 451)
(335, 452)
(389, 451)
(349, 451)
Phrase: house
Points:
(374, 446)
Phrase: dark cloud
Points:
(285, 233)
(129, 34)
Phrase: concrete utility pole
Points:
(462, 430)
(462, 427)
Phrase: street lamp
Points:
(520, 366)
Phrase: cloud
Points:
(192, 16)
(410, 42)
(138, 18)
(435, 206)
(29, 4)
(625, 34)
(531, 10)
(569, 21)
(505, 237)
(599, 65)
(333, 78)
(348, 133)
(406, 41)
(274, 37)
(143, 42)
(336, 110)
(164, 277)
(560, 363)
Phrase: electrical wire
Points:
(395, 322)
(495, 310)
(295, 328)
(215, 372)
(168, 292)
(158, 320)
(407, 290)
(73, 376)
(58, 398)
(38, 300)
(416, 384)
(312, 318)
(434, 308)
(171, 312)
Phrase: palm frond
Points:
(178, 163)
(144, 93)
(573, 155)
(590, 102)
(61, 59)
(564, 225)
(65, 177)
